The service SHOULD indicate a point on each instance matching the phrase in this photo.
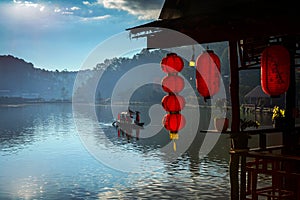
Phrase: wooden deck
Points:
(270, 161)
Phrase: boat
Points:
(126, 120)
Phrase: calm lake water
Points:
(43, 156)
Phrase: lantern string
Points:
(193, 55)
(192, 61)
(172, 74)
(174, 112)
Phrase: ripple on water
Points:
(43, 158)
(180, 184)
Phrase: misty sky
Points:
(60, 34)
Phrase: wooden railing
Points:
(262, 159)
(282, 169)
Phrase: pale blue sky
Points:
(60, 34)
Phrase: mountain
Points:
(19, 78)
(116, 69)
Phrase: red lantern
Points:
(172, 84)
(174, 122)
(173, 103)
(208, 74)
(275, 70)
(172, 63)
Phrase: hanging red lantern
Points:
(275, 70)
(208, 74)
(172, 84)
(174, 122)
(172, 63)
(173, 103)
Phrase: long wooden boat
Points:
(125, 120)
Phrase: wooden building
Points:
(249, 26)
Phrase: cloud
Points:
(57, 10)
(48, 14)
(143, 9)
(24, 12)
(96, 18)
(67, 13)
(75, 8)
(86, 3)
(26, 3)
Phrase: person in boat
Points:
(137, 121)
(137, 117)
(127, 118)
(130, 113)
(123, 118)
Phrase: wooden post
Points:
(243, 177)
(290, 139)
(290, 100)
(235, 125)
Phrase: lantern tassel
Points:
(173, 137)
(174, 145)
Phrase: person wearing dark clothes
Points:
(137, 117)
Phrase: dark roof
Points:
(224, 9)
(257, 92)
(209, 21)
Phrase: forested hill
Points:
(20, 79)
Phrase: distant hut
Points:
(256, 95)
(258, 99)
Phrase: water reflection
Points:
(18, 124)
(107, 143)
(42, 156)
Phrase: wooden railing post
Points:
(235, 125)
